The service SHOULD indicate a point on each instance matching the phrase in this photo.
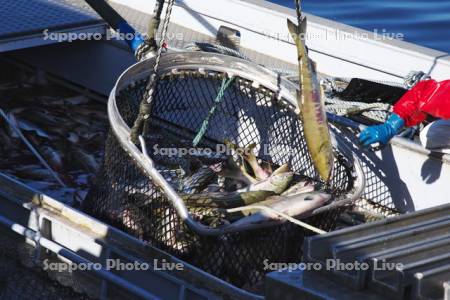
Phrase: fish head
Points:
(317, 196)
(281, 181)
(305, 186)
(73, 137)
(283, 169)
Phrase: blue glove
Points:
(382, 133)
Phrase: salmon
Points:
(311, 105)
(275, 184)
(298, 206)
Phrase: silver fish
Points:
(41, 185)
(10, 128)
(43, 117)
(299, 206)
(87, 161)
(282, 169)
(8, 86)
(87, 121)
(28, 126)
(225, 199)
(233, 171)
(7, 143)
(247, 157)
(76, 100)
(73, 137)
(250, 158)
(277, 183)
(98, 113)
(198, 181)
(87, 133)
(213, 188)
(301, 187)
(53, 157)
(33, 172)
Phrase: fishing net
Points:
(257, 107)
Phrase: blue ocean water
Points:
(423, 22)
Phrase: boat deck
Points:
(34, 221)
(72, 62)
(24, 22)
(180, 36)
(75, 16)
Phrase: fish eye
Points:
(308, 198)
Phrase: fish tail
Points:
(297, 30)
(293, 29)
(298, 34)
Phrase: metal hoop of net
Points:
(139, 195)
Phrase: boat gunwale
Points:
(107, 236)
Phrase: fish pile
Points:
(65, 129)
(279, 190)
(241, 181)
(212, 184)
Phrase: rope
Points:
(283, 215)
(140, 125)
(298, 9)
(207, 47)
(149, 44)
(215, 48)
(225, 84)
(379, 112)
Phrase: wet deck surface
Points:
(20, 279)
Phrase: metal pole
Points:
(116, 22)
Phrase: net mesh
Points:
(125, 197)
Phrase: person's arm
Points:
(409, 106)
(382, 133)
(407, 112)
